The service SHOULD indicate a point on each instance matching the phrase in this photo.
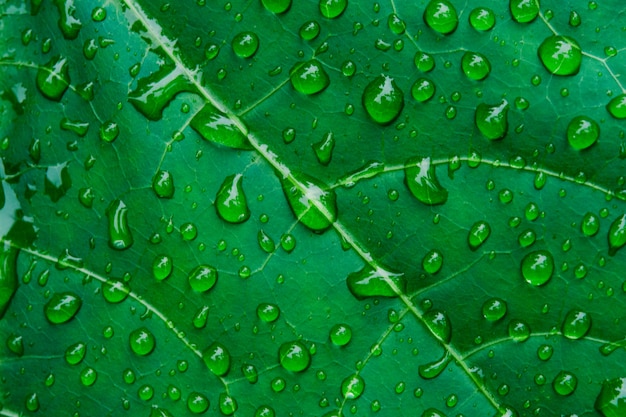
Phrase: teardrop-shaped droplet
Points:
(494, 309)
(524, 11)
(62, 307)
(369, 282)
(217, 359)
(216, 127)
(156, 91)
(482, 19)
(142, 342)
(617, 106)
(383, 100)
(8, 274)
(277, 6)
(590, 224)
(120, 236)
(245, 44)
(396, 24)
(475, 66)
(15, 343)
(582, 132)
(266, 243)
(69, 24)
(202, 278)
(421, 179)
(491, 120)
(576, 324)
(332, 9)
(478, 234)
(439, 325)
(324, 148)
(312, 202)
(537, 267)
(611, 401)
(294, 356)
(201, 317)
(74, 354)
(53, 78)
(441, 16)
(433, 369)
(309, 77)
(561, 55)
(617, 234)
(163, 184)
(424, 62)
(352, 387)
(231, 203)
(565, 383)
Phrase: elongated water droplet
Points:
(383, 100)
(217, 358)
(309, 77)
(482, 19)
(312, 202)
(74, 354)
(537, 267)
(432, 261)
(561, 55)
(590, 224)
(250, 373)
(421, 179)
(231, 202)
(332, 9)
(617, 234)
(202, 278)
(162, 267)
(163, 184)
(120, 236)
(245, 44)
(369, 170)
(266, 243)
(582, 132)
(492, 120)
(478, 234)
(142, 342)
(352, 387)
(369, 282)
(53, 78)
(524, 11)
(216, 127)
(75, 126)
(441, 16)
(294, 356)
(199, 320)
(475, 66)
(62, 307)
(439, 325)
(8, 274)
(433, 369)
(576, 324)
(324, 148)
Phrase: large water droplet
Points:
(576, 324)
(561, 55)
(202, 278)
(433, 369)
(268, 312)
(475, 66)
(120, 237)
(383, 99)
(423, 89)
(519, 331)
(309, 77)
(331, 9)
(312, 202)
(617, 106)
(617, 234)
(228, 404)
(294, 356)
(369, 282)
(582, 132)
(565, 383)
(421, 179)
(53, 78)
(494, 309)
(310, 30)
(492, 120)
(74, 354)
(216, 127)
(142, 342)
(68, 22)
(163, 184)
(524, 11)
(478, 234)
(245, 44)
(340, 334)
(231, 203)
(482, 19)
(217, 359)
(441, 16)
(537, 267)
(62, 307)
(277, 6)
(352, 387)
(439, 325)
(115, 291)
(197, 403)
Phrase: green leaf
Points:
(239, 209)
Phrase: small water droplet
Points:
(202, 278)
(267, 312)
(197, 403)
(494, 309)
(74, 354)
(617, 234)
(576, 324)
(424, 61)
(109, 131)
(433, 369)
(519, 331)
(423, 89)
(88, 376)
(544, 352)
(340, 334)
(309, 30)
(324, 148)
(617, 106)
(142, 342)
(163, 184)
(162, 267)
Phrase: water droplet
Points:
(231, 203)
(482, 19)
(115, 291)
(340, 334)
(163, 184)
(62, 307)
(250, 373)
(537, 267)
(53, 78)
(288, 243)
(162, 267)
(478, 234)
(142, 341)
(574, 18)
(216, 127)
(424, 61)
(197, 403)
(540, 180)
(268, 312)
(397, 25)
(383, 100)
(519, 331)
(475, 66)
(88, 376)
(432, 412)
(561, 55)
(617, 234)
(441, 16)
(245, 44)
(201, 317)
(202, 278)
(74, 354)
(331, 9)
(348, 68)
(312, 202)
(145, 392)
(576, 324)
(433, 369)
(369, 282)
(524, 11)
(582, 132)
(439, 325)
(57, 181)
(617, 106)
(544, 352)
(526, 238)
(69, 24)
(590, 224)
(265, 411)
(188, 231)
(565, 383)
(421, 179)
(309, 77)
(277, 6)
(494, 309)
(423, 89)
(309, 30)
(369, 170)
(159, 412)
(324, 148)
(228, 404)
(491, 120)
(32, 402)
(278, 384)
(109, 131)
(294, 356)
(90, 48)
(432, 261)
(352, 387)
(217, 359)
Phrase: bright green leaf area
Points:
(242, 208)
